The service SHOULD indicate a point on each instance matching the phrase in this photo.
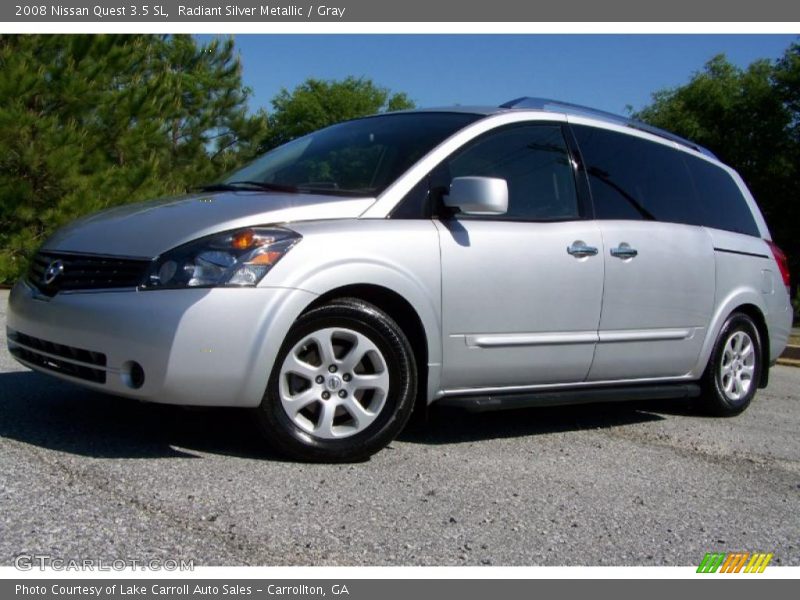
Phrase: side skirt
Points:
(496, 401)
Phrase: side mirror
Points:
(478, 195)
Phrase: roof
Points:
(568, 108)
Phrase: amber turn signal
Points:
(267, 258)
(243, 240)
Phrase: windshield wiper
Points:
(238, 186)
(335, 191)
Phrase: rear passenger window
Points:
(720, 200)
(632, 178)
(534, 161)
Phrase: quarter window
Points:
(721, 202)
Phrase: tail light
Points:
(783, 263)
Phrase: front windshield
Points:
(355, 158)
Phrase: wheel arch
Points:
(403, 313)
(749, 303)
(754, 312)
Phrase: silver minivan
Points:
(531, 254)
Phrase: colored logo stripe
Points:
(758, 563)
(711, 562)
(733, 562)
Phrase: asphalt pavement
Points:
(84, 475)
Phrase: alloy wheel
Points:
(334, 383)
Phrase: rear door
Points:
(659, 266)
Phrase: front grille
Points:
(85, 272)
(75, 362)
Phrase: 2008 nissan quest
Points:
(536, 253)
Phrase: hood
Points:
(148, 229)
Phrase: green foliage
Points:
(317, 103)
(750, 118)
(88, 122)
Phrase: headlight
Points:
(237, 258)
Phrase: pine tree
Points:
(88, 122)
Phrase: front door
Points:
(521, 292)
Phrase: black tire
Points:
(295, 442)
(715, 400)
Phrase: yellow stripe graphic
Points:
(755, 563)
(749, 566)
(767, 558)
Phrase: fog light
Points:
(132, 374)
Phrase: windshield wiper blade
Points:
(238, 186)
(265, 185)
(336, 191)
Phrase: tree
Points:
(786, 78)
(317, 103)
(88, 122)
(750, 118)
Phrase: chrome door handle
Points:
(581, 250)
(624, 251)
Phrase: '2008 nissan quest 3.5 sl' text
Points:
(531, 254)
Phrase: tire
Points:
(343, 385)
(734, 369)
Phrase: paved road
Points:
(86, 475)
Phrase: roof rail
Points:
(576, 109)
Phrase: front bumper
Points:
(204, 347)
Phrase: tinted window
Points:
(534, 161)
(720, 201)
(361, 157)
(632, 178)
(417, 203)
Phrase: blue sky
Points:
(603, 71)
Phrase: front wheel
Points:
(343, 385)
(734, 369)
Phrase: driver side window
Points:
(534, 161)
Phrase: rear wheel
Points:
(734, 370)
(343, 385)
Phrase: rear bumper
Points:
(212, 347)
